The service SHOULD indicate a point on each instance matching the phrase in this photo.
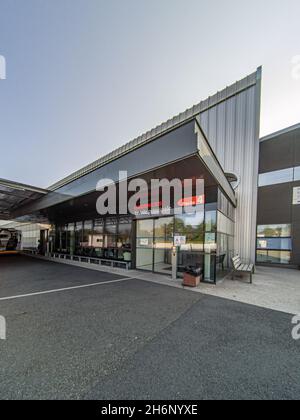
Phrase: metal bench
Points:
(240, 267)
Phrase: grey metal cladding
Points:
(280, 150)
(232, 128)
(277, 153)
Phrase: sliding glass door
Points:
(144, 244)
(163, 244)
(155, 238)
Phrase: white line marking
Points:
(64, 289)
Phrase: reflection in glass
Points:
(145, 228)
(274, 257)
(210, 221)
(78, 237)
(87, 234)
(297, 173)
(163, 244)
(275, 243)
(144, 244)
(225, 225)
(276, 177)
(71, 238)
(274, 231)
(111, 225)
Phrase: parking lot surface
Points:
(73, 333)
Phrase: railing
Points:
(91, 260)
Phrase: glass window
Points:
(189, 223)
(144, 243)
(210, 243)
(191, 226)
(63, 247)
(98, 237)
(297, 173)
(124, 233)
(210, 221)
(231, 212)
(274, 243)
(99, 226)
(164, 227)
(274, 231)
(111, 225)
(145, 228)
(71, 238)
(225, 225)
(222, 203)
(110, 241)
(87, 234)
(57, 238)
(273, 257)
(78, 237)
(276, 177)
(224, 253)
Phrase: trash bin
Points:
(192, 276)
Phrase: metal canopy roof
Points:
(13, 195)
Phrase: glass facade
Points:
(109, 238)
(274, 244)
(279, 177)
(297, 173)
(273, 257)
(156, 238)
(204, 239)
(191, 228)
(274, 231)
(225, 236)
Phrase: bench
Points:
(240, 267)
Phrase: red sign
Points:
(147, 206)
(192, 201)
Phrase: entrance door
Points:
(163, 244)
(144, 244)
(154, 244)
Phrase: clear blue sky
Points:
(85, 76)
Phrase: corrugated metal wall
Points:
(232, 127)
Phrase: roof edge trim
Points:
(280, 132)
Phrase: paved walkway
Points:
(273, 288)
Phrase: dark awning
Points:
(14, 195)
